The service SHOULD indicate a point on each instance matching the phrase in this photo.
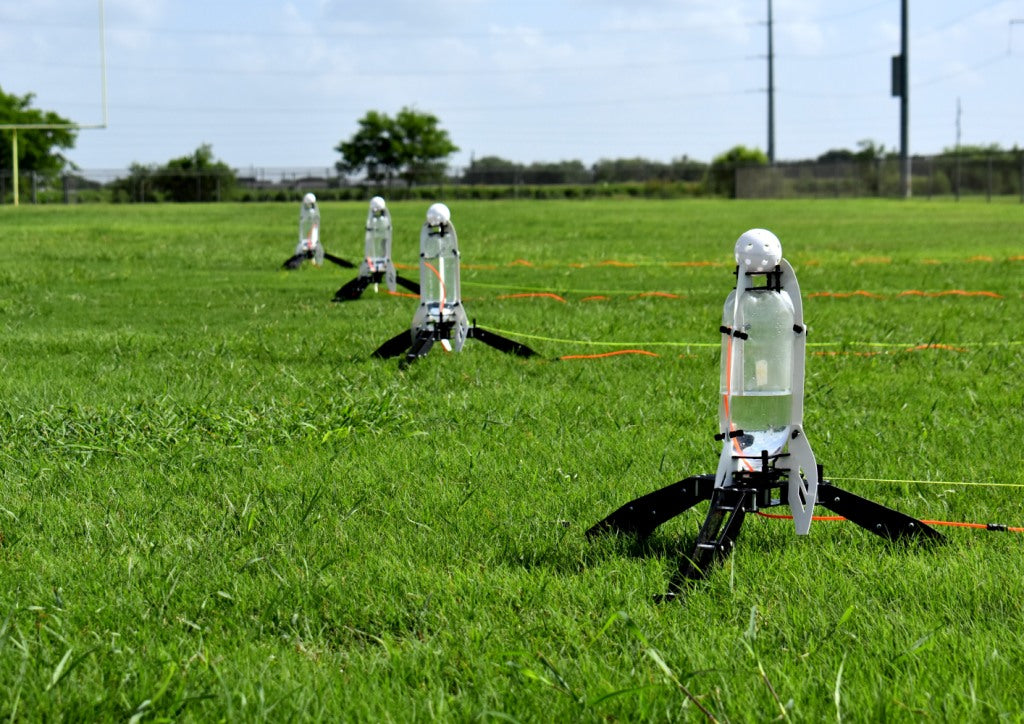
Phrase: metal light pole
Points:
(904, 103)
(771, 90)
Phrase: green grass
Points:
(214, 505)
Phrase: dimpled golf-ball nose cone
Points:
(438, 214)
(758, 250)
(309, 200)
(377, 205)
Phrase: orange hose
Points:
(779, 516)
(440, 281)
(666, 295)
(949, 523)
(523, 295)
(609, 354)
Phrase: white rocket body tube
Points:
(309, 230)
(377, 246)
(440, 290)
(762, 376)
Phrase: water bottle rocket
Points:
(441, 317)
(440, 280)
(377, 246)
(309, 246)
(766, 459)
(762, 374)
(376, 266)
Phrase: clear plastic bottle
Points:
(757, 373)
(309, 227)
(378, 241)
(439, 271)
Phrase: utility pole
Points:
(771, 90)
(904, 68)
(957, 178)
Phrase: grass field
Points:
(215, 505)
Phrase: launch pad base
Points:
(729, 505)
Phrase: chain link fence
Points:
(931, 176)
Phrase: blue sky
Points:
(279, 84)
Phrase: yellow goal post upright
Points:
(15, 127)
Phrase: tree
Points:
(562, 172)
(628, 169)
(871, 151)
(411, 145)
(196, 177)
(837, 155)
(36, 148)
(492, 170)
(371, 148)
(721, 178)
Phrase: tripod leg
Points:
(409, 284)
(420, 347)
(716, 538)
(502, 344)
(352, 290)
(873, 517)
(339, 261)
(394, 346)
(641, 516)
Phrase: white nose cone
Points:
(309, 200)
(438, 214)
(377, 205)
(758, 250)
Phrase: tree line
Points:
(411, 149)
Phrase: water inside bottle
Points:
(764, 419)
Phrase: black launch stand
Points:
(350, 291)
(419, 346)
(749, 492)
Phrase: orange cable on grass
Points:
(666, 295)
(982, 526)
(947, 347)
(519, 262)
(596, 298)
(523, 295)
(403, 294)
(948, 523)
(609, 354)
(783, 516)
